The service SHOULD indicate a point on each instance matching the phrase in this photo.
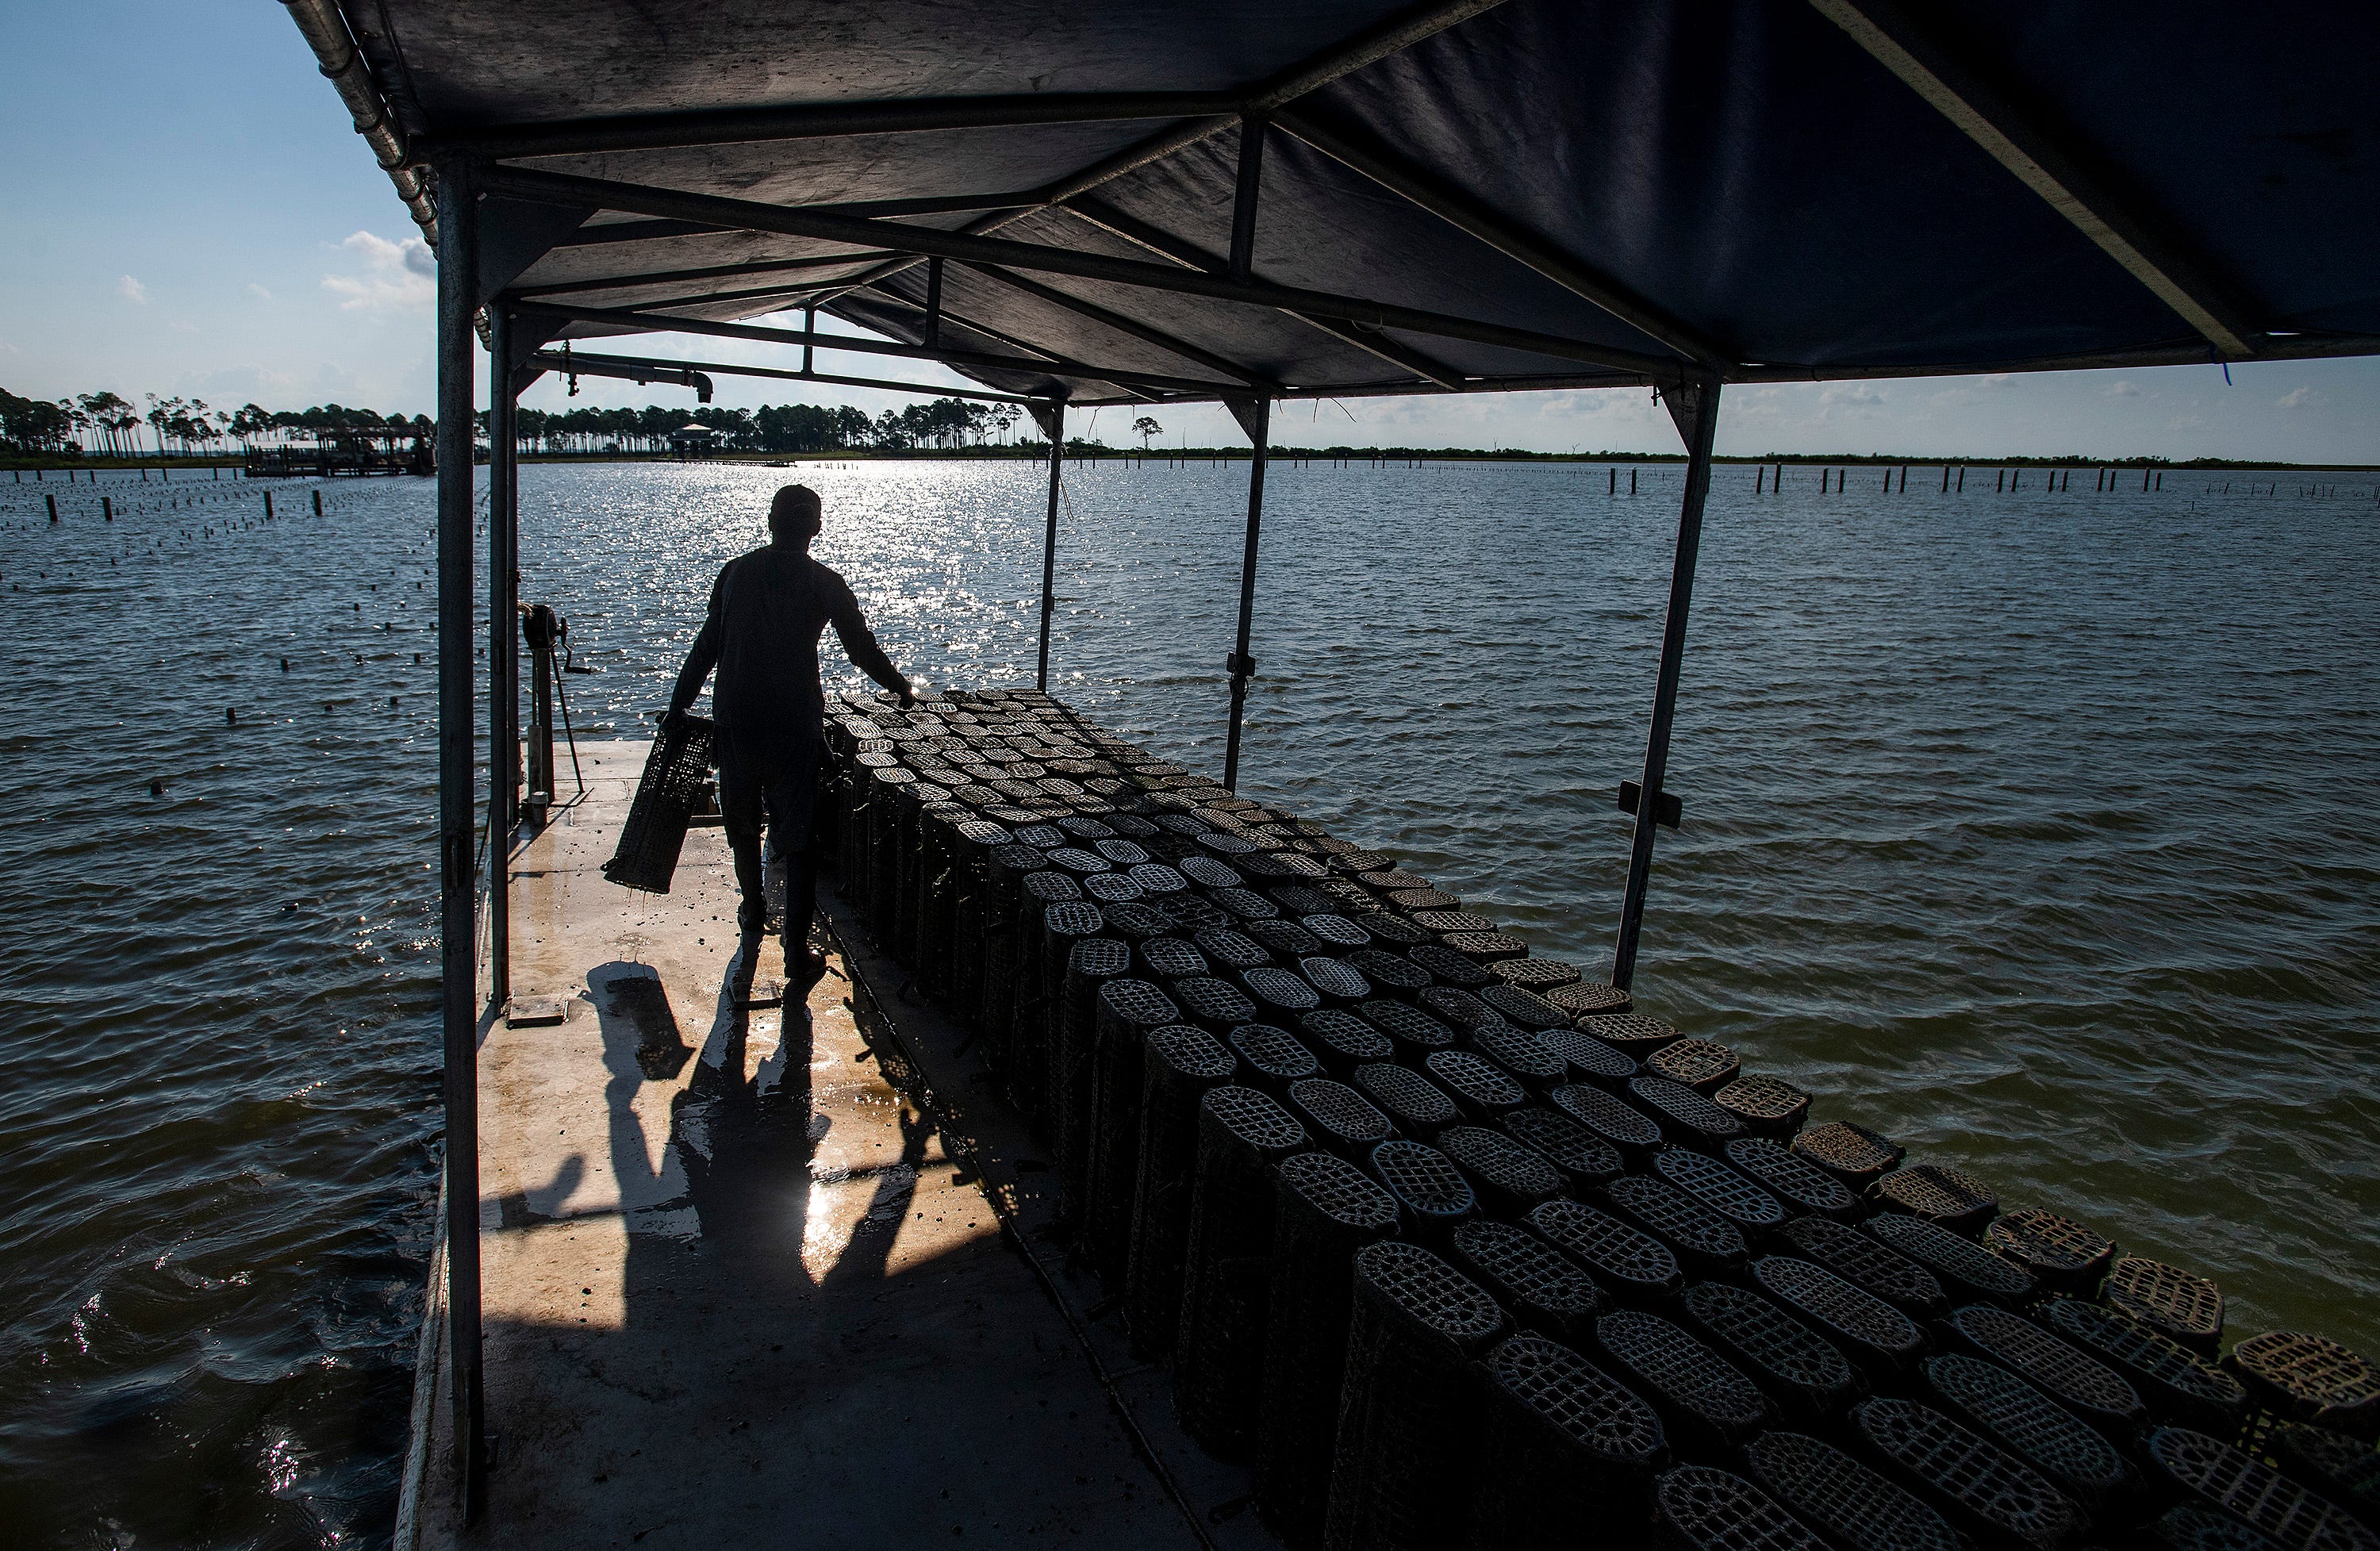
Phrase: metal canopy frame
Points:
(444, 178)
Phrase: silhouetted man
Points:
(768, 610)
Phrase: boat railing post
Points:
(1052, 419)
(1254, 415)
(503, 635)
(1695, 405)
(457, 356)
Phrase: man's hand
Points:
(672, 720)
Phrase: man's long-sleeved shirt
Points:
(768, 610)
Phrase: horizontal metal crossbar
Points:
(553, 188)
(659, 369)
(663, 324)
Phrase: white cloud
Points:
(132, 290)
(2299, 398)
(259, 291)
(2121, 390)
(397, 276)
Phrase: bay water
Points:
(2034, 829)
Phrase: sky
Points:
(185, 209)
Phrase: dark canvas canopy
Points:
(1453, 197)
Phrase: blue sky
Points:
(184, 210)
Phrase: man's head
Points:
(795, 515)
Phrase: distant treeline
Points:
(948, 424)
(106, 424)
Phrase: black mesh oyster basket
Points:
(2179, 1306)
(1041, 1037)
(1884, 1343)
(1343, 1040)
(1391, 974)
(1589, 998)
(1634, 1133)
(1325, 1210)
(1339, 1118)
(2060, 1254)
(1455, 1006)
(1427, 1185)
(2231, 1481)
(1065, 1093)
(2341, 1469)
(1415, 1032)
(1232, 950)
(1986, 1490)
(1216, 1006)
(1706, 1402)
(1485, 949)
(1768, 1105)
(1703, 1240)
(1720, 1188)
(1589, 1059)
(2175, 1385)
(1419, 1106)
(1274, 1057)
(1853, 1506)
(1339, 982)
(2078, 1380)
(2310, 1378)
(2189, 1527)
(1483, 1089)
(1508, 1177)
(1636, 1034)
(1700, 1508)
(1966, 1271)
(1538, 976)
(1543, 1288)
(1585, 1159)
(1851, 1152)
(1408, 1411)
(1867, 1265)
(1178, 1065)
(1099, 1141)
(1284, 939)
(1522, 1054)
(1687, 1117)
(1566, 1447)
(1703, 1065)
(1522, 1008)
(1633, 1265)
(1280, 993)
(1958, 1201)
(1449, 967)
(2033, 1427)
(1803, 1186)
(675, 780)
(1801, 1370)
(1218, 1357)
(1167, 959)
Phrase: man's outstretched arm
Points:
(704, 655)
(859, 645)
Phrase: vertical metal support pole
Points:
(809, 327)
(504, 634)
(1056, 426)
(1696, 408)
(1256, 416)
(933, 303)
(1243, 200)
(458, 288)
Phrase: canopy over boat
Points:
(1270, 197)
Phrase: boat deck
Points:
(743, 1280)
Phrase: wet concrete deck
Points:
(742, 1273)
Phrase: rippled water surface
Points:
(2034, 829)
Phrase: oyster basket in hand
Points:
(677, 773)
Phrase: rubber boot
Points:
(804, 965)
